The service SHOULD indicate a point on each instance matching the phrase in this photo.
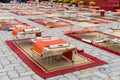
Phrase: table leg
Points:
(73, 58)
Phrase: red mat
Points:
(23, 14)
(92, 21)
(71, 34)
(45, 74)
(111, 18)
(11, 25)
(50, 24)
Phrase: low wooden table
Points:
(50, 52)
(36, 32)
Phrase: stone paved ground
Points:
(12, 67)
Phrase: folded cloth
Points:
(39, 45)
(15, 31)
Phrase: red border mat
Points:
(23, 14)
(71, 34)
(92, 21)
(34, 66)
(11, 25)
(50, 24)
(110, 18)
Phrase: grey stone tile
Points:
(63, 78)
(36, 77)
(55, 78)
(20, 69)
(116, 78)
(114, 73)
(3, 73)
(76, 73)
(27, 73)
(13, 74)
(6, 69)
(12, 65)
(85, 75)
(23, 78)
(101, 75)
(5, 62)
(96, 78)
(70, 76)
(4, 78)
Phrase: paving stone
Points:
(24, 78)
(70, 76)
(116, 73)
(16, 61)
(103, 57)
(5, 49)
(104, 69)
(63, 78)
(96, 78)
(2, 59)
(1, 42)
(27, 73)
(27, 69)
(115, 78)
(115, 68)
(24, 64)
(115, 60)
(20, 69)
(11, 58)
(5, 55)
(1, 66)
(5, 62)
(85, 75)
(36, 77)
(55, 77)
(4, 78)
(3, 74)
(101, 75)
(114, 64)
(76, 73)
(6, 69)
(86, 79)
(104, 66)
(12, 65)
(13, 74)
